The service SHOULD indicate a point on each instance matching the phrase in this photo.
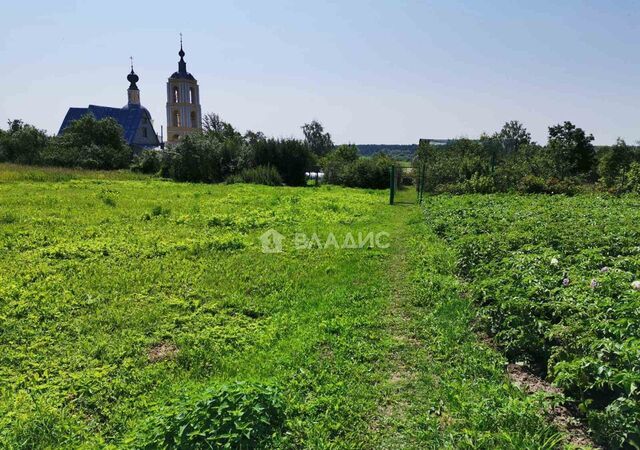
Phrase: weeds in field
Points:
(89, 292)
(239, 415)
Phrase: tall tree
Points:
(514, 135)
(253, 137)
(571, 149)
(291, 157)
(212, 123)
(319, 142)
(614, 161)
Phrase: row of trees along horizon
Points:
(507, 160)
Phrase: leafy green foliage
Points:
(290, 157)
(240, 415)
(514, 163)
(22, 143)
(344, 167)
(630, 179)
(147, 161)
(399, 152)
(554, 279)
(319, 142)
(514, 136)
(266, 175)
(208, 158)
(221, 153)
(613, 162)
(90, 144)
(571, 150)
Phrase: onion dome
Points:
(182, 65)
(132, 78)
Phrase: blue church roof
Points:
(128, 117)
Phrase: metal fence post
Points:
(419, 185)
(422, 181)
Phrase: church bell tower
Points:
(184, 115)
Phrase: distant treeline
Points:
(509, 160)
(401, 152)
(218, 154)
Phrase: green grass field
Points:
(139, 313)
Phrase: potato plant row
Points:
(557, 282)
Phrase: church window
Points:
(176, 119)
(144, 132)
(176, 97)
(192, 95)
(194, 119)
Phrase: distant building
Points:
(134, 118)
(184, 115)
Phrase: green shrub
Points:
(90, 144)
(291, 158)
(613, 162)
(567, 186)
(620, 421)
(371, 173)
(450, 188)
(266, 175)
(477, 184)
(509, 161)
(206, 157)
(336, 161)
(531, 184)
(22, 143)
(148, 161)
(222, 154)
(159, 210)
(480, 184)
(630, 181)
(109, 201)
(571, 150)
(239, 415)
(344, 167)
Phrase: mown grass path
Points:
(445, 388)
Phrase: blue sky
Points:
(370, 71)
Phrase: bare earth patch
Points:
(562, 417)
(565, 419)
(162, 351)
